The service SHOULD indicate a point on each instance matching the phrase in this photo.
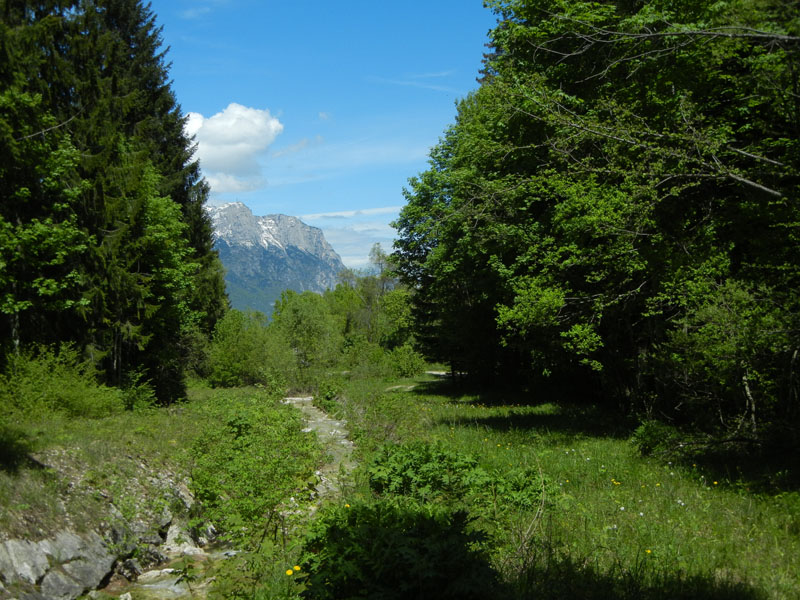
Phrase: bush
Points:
(655, 437)
(433, 472)
(396, 550)
(406, 362)
(246, 351)
(248, 460)
(43, 381)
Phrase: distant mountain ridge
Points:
(265, 255)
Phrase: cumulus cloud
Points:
(229, 144)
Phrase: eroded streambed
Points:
(169, 580)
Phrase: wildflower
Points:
(658, 485)
(289, 572)
(347, 506)
(715, 483)
(648, 551)
(622, 508)
(297, 567)
(641, 514)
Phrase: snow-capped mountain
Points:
(265, 255)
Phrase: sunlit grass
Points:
(639, 521)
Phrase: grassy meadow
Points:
(609, 523)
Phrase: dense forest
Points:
(616, 207)
(104, 242)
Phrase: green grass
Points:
(615, 524)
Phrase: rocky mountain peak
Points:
(264, 255)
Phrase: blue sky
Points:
(321, 109)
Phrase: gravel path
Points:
(333, 437)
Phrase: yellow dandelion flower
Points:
(648, 551)
(715, 483)
(289, 572)
(297, 567)
(347, 506)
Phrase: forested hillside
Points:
(104, 242)
(616, 207)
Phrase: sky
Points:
(321, 109)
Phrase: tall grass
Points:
(615, 524)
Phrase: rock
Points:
(179, 542)
(65, 547)
(130, 569)
(21, 560)
(58, 586)
(94, 564)
(156, 574)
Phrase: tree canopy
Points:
(617, 205)
(104, 241)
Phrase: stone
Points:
(179, 542)
(130, 569)
(27, 561)
(58, 586)
(65, 547)
(94, 564)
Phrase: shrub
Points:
(246, 351)
(45, 380)
(655, 437)
(433, 472)
(406, 362)
(248, 460)
(396, 550)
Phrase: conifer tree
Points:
(134, 242)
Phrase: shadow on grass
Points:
(15, 448)
(393, 550)
(548, 411)
(769, 469)
(564, 580)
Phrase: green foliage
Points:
(310, 328)
(434, 472)
(44, 382)
(616, 205)
(103, 238)
(396, 550)
(405, 361)
(656, 438)
(251, 455)
(245, 351)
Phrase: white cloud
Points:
(195, 13)
(383, 210)
(352, 233)
(323, 116)
(229, 144)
